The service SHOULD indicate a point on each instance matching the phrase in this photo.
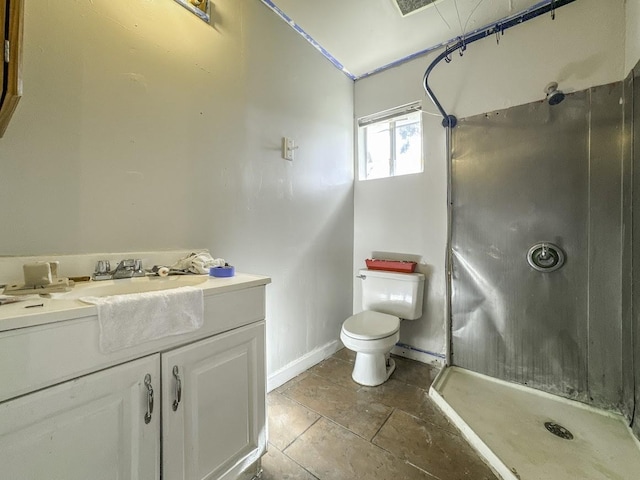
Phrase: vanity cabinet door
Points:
(92, 427)
(215, 427)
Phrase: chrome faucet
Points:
(128, 268)
(125, 269)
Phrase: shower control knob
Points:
(545, 257)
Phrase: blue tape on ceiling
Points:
(400, 61)
(498, 28)
(308, 38)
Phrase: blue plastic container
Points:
(226, 271)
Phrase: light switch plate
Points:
(288, 148)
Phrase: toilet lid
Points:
(369, 325)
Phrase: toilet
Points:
(387, 297)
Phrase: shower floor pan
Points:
(506, 424)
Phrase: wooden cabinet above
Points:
(11, 17)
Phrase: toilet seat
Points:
(369, 325)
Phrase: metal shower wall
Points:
(529, 174)
(633, 329)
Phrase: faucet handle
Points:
(137, 268)
(102, 270)
(126, 264)
(102, 266)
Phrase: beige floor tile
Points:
(408, 398)
(346, 355)
(413, 440)
(277, 466)
(291, 382)
(337, 371)
(331, 452)
(287, 419)
(360, 414)
(414, 373)
(437, 451)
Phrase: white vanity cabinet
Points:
(213, 408)
(90, 428)
(71, 412)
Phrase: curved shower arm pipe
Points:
(497, 28)
(447, 120)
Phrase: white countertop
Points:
(15, 315)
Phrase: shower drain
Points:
(558, 430)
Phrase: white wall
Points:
(632, 44)
(582, 47)
(142, 128)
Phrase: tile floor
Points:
(324, 426)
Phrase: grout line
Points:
(303, 405)
(394, 455)
(453, 431)
(321, 415)
(301, 433)
(301, 466)
(370, 441)
(393, 409)
(352, 432)
(298, 464)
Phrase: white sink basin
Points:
(105, 288)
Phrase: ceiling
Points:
(363, 36)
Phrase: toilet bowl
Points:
(371, 335)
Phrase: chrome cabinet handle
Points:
(362, 277)
(176, 375)
(147, 383)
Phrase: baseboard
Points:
(407, 351)
(302, 364)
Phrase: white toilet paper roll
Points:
(163, 271)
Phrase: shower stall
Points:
(543, 282)
(544, 279)
(546, 176)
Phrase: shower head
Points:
(554, 96)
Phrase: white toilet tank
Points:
(398, 294)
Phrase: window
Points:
(390, 143)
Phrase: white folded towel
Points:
(132, 319)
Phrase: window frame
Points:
(391, 117)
